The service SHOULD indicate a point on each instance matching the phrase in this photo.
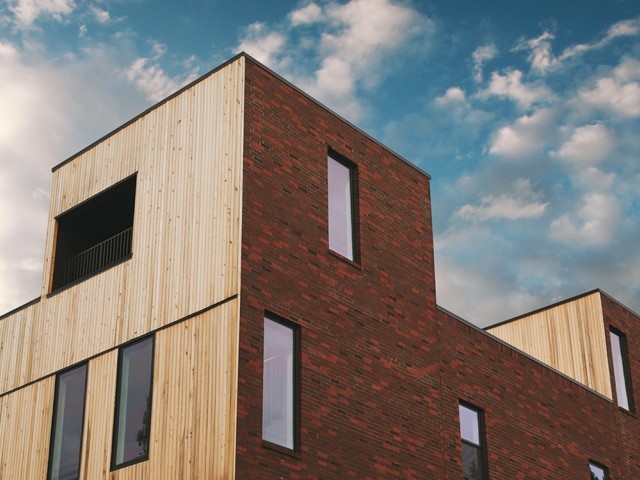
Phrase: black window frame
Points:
(114, 439)
(60, 278)
(56, 399)
(354, 196)
(297, 385)
(626, 368)
(602, 467)
(482, 447)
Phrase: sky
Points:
(525, 114)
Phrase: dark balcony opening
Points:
(94, 235)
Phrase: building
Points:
(240, 284)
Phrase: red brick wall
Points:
(617, 316)
(382, 369)
(539, 424)
(367, 331)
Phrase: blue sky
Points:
(525, 114)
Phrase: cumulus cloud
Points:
(310, 13)
(262, 43)
(593, 224)
(524, 137)
(623, 28)
(510, 86)
(27, 11)
(589, 144)
(521, 202)
(618, 93)
(356, 38)
(480, 56)
(453, 95)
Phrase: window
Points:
(132, 423)
(473, 455)
(68, 419)
(621, 369)
(341, 185)
(598, 472)
(279, 389)
(95, 234)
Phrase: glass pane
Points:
(597, 472)
(277, 386)
(469, 425)
(64, 460)
(472, 467)
(618, 371)
(133, 411)
(340, 213)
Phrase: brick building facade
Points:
(377, 375)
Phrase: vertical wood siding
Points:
(193, 411)
(569, 337)
(25, 426)
(187, 153)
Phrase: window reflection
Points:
(68, 416)
(133, 410)
(278, 388)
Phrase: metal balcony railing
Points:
(100, 256)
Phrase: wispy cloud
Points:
(480, 56)
(27, 11)
(511, 86)
(354, 40)
(522, 202)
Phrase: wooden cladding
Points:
(193, 408)
(187, 153)
(569, 337)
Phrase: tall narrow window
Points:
(279, 397)
(598, 472)
(341, 208)
(132, 426)
(621, 369)
(68, 419)
(473, 455)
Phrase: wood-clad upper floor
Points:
(571, 337)
(185, 157)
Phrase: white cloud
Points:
(524, 137)
(356, 38)
(153, 81)
(521, 203)
(510, 86)
(541, 56)
(101, 15)
(589, 144)
(262, 44)
(27, 11)
(480, 56)
(310, 13)
(618, 93)
(594, 223)
(453, 95)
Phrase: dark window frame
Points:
(116, 415)
(482, 447)
(354, 183)
(626, 368)
(297, 385)
(56, 400)
(58, 280)
(604, 468)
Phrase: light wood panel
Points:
(187, 153)
(193, 409)
(569, 337)
(25, 426)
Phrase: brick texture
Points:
(383, 369)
